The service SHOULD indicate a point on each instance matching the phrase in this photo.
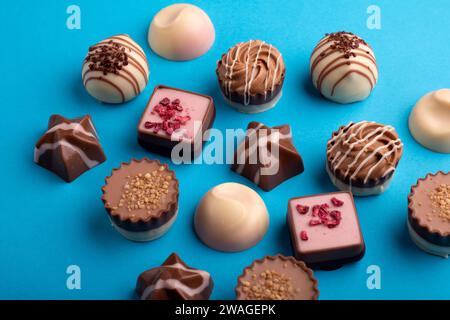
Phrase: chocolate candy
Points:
(362, 157)
(174, 280)
(251, 76)
(115, 70)
(429, 214)
(175, 117)
(231, 217)
(325, 231)
(181, 32)
(69, 147)
(277, 278)
(343, 67)
(267, 156)
(141, 199)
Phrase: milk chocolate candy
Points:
(325, 230)
(429, 214)
(69, 147)
(174, 280)
(175, 117)
(267, 156)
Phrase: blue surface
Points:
(47, 224)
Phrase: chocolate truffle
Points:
(429, 214)
(325, 230)
(343, 67)
(429, 121)
(267, 156)
(115, 70)
(175, 117)
(141, 199)
(362, 157)
(277, 278)
(69, 147)
(174, 280)
(181, 32)
(231, 217)
(251, 76)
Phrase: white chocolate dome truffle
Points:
(181, 32)
(343, 67)
(429, 122)
(115, 70)
(231, 217)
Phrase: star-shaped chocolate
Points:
(174, 280)
(69, 147)
(267, 156)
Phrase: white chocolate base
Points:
(429, 122)
(144, 236)
(426, 246)
(357, 191)
(257, 108)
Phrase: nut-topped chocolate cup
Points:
(141, 199)
(429, 214)
(277, 278)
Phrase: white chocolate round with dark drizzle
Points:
(362, 157)
(343, 67)
(115, 70)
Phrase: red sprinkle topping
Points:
(304, 236)
(168, 111)
(336, 202)
(322, 215)
(302, 209)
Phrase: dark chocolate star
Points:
(174, 280)
(267, 156)
(69, 147)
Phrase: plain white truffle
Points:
(231, 217)
(429, 122)
(181, 32)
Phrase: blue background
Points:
(47, 225)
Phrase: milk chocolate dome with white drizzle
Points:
(251, 76)
(115, 70)
(362, 157)
(343, 67)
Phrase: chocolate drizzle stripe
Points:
(131, 80)
(347, 74)
(130, 45)
(108, 82)
(324, 73)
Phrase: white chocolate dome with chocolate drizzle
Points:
(343, 68)
(115, 70)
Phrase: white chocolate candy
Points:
(343, 68)
(115, 70)
(231, 217)
(181, 32)
(429, 122)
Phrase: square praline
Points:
(197, 110)
(317, 239)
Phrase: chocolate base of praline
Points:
(431, 237)
(257, 99)
(164, 145)
(357, 186)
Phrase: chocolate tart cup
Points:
(429, 239)
(137, 229)
(240, 295)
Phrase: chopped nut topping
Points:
(269, 285)
(440, 199)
